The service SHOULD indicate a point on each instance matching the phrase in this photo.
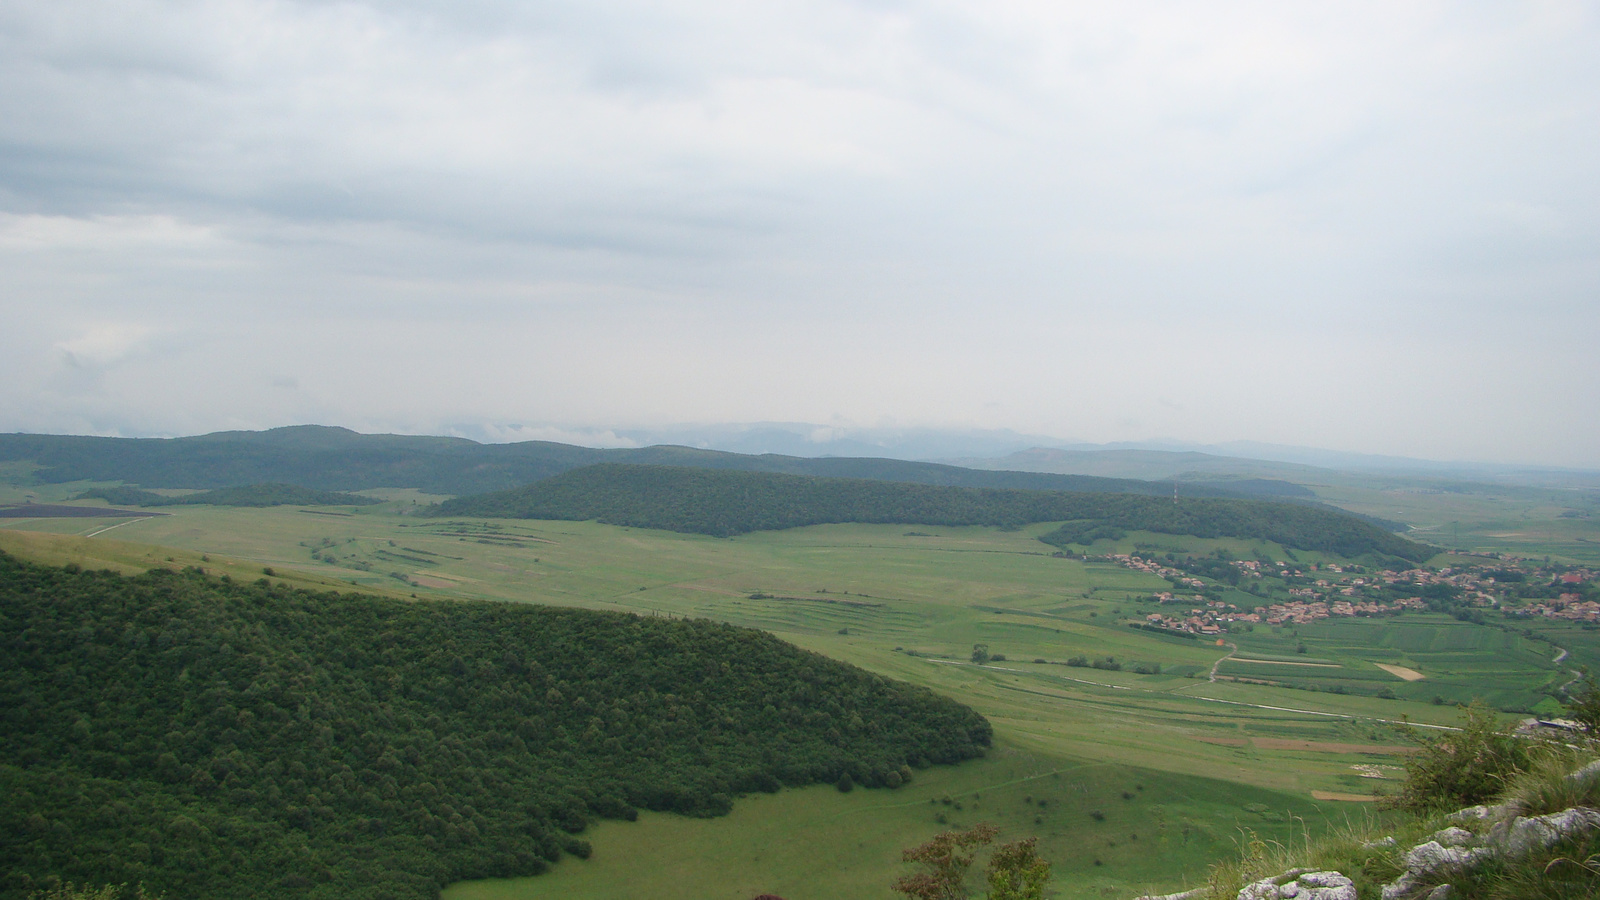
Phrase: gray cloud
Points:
(1361, 227)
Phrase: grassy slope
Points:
(1186, 821)
(938, 595)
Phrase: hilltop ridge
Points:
(338, 459)
(724, 503)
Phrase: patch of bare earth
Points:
(1349, 798)
(1401, 672)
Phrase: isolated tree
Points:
(945, 861)
(980, 653)
(1016, 872)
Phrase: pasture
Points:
(912, 603)
(1103, 825)
(1458, 661)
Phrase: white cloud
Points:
(1011, 214)
(104, 344)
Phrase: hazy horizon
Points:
(1369, 228)
(960, 447)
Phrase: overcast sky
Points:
(1362, 226)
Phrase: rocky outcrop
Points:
(1431, 866)
(1475, 836)
(1298, 884)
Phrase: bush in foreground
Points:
(1524, 785)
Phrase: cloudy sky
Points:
(1363, 226)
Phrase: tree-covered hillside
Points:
(218, 739)
(724, 503)
(245, 495)
(337, 459)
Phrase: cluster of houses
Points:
(1338, 592)
(1568, 606)
(1215, 616)
(1140, 564)
(1300, 612)
(1208, 617)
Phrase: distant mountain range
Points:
(997, 449)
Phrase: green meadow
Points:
(1086, 759)
(1100, 822)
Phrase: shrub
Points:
(1584, 708)
(1453, 769)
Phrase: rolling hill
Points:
(216, 739)
(724, 503)
(337, 459)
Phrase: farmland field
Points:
(1213, 757)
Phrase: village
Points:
(1322, 591)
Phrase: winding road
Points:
(1232, 649)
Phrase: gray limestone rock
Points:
(1442, 892)
(1434, 858)
(1476, 814)
(1520, 836)
(1432, 862)
(1455, 837)
(1298, 884)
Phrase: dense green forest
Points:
(245, 495)
(337, 459)
(220, 739)
(724, 503)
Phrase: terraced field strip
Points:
(1327, 747)
(1288, 663)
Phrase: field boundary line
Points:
(1119, 687)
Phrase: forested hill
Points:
(217, 739)
(337, 459)
(246, 495)
(724, 503)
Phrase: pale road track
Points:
(118, 525)
(1576, 674)
(1232, 649)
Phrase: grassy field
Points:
(1101, 823)
(1213, 758)
(1460, 661)
(1531, 522)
